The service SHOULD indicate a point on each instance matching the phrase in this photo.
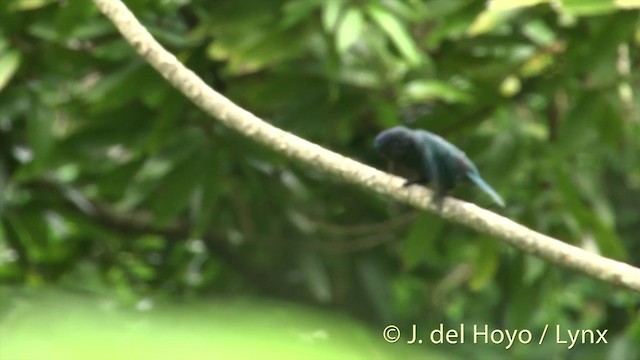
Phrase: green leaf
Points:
(377, 285)
(573, 7)
(423, 90)
(110, 85)
(412, 10)
(296, 11)
(587, 7)
(76, 14)
(331, 14)
(536, 64)
(275, 47)
(487, 21)
(486, 263)
(523, 297)
(495, 5)
(177, 188)
(627, 4)
(28, 5)
(317, 279)
(183, 145)
(523, 305)
(510, 86)
(9, 64)
(350, 29)
(396, 31)
(207, 202)
(32, 232)
(539, 32)
(40, 134)
(420, 244)
(590, 225)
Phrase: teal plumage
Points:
(435, 161)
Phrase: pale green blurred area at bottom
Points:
(79, 327)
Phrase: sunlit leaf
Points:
(536, 64)
(487, 21)
(627, 4)
(511, 4)
(9, 64)
(396, 31)
(421, 90)
(510, 86)
(26, 5)
(350, 28)
(540, 32)
(331, 14)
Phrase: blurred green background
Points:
(133, 226)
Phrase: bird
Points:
(434, 160)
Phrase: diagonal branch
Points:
(351, 171)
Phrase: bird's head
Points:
(395, 142)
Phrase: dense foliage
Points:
(113, 184)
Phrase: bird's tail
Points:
(476, 179)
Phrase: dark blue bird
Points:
(435, 161)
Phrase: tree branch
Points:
(461, 212)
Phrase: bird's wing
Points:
(451, 163)
(437, 162)
(427, 154)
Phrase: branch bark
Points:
(234, 117)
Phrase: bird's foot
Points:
(438, 200)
